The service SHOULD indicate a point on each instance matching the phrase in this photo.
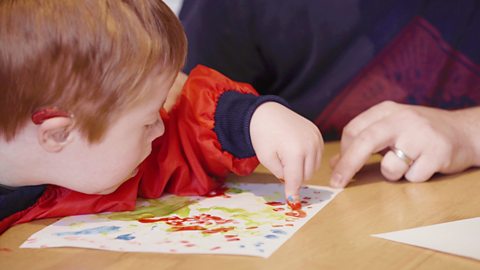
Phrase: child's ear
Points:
(55, 133)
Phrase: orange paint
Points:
(297, 213)
(188, 228)
(294, 205)
(217, 230)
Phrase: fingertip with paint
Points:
(294, 202)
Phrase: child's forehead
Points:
(156, 88)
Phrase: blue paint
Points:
(242, 246)
(96, 230)
(279, 231)
(271, 236)
(259, 244)
(125, 237)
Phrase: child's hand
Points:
(287, 144)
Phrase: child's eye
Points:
(148, 126)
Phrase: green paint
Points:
(156, 208)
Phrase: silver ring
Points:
(401, 155)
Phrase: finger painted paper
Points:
(247, 219)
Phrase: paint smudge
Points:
(294, 205)
(156, 208)
(271, 236)
(297, 213)
(218, 230)
(96, 230)
(274, 203)
(125, 237)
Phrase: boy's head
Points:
(88, 58)
(92, 76)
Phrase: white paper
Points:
(460, 237)
(250, 219)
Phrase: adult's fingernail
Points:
(336, 180)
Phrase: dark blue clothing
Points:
(13, 200)
(309, 51)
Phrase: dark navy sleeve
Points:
(232, 121)
(13, 200)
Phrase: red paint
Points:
(217, 192)
(294, 205)
(217, 230)
(195, 223)
(297, 213)
(289, 225)
(233, 239)
(278, 209)
(205, 219)
(230, 236)
(307, 198)
(215, 248)
(274, 203)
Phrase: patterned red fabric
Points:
(186, 160)
(418, 67)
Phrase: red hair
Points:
(88, 57)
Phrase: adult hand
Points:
(433, 140)
(287, 144)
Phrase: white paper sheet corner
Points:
(461, 237)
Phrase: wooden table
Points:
(338, 237)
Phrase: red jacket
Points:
(187, 160)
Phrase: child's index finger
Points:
(292, 195)
(294, 204)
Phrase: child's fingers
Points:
(312, 162)
(293, 171)
(274, 165)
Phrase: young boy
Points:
(81, 125)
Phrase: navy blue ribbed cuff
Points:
(232, 121)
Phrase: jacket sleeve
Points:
(206, 137)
